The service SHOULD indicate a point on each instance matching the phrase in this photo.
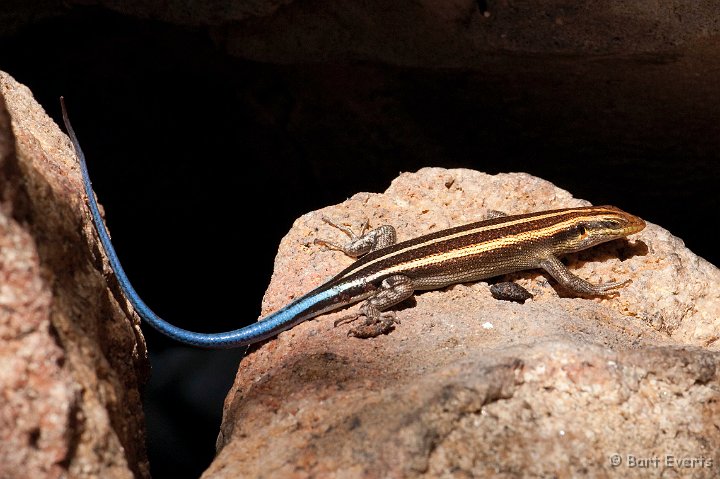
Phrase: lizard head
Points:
(593, 225)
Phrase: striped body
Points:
(473, 252)
(477, 250)
(388, 275)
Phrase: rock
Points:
(464, 385)
(430, 33)
(468, 386)
(72, 361)
(461, 33)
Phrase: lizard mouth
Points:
(618, 222)
(633, 225)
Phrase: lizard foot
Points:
(375, 327)
(371, 327)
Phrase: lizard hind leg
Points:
(362, 243)
(393, 290)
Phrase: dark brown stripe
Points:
(439, 244)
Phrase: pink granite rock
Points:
(464, 386)
(468, 386)
(71, 360)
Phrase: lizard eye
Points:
(582, 231)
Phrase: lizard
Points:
(388, 272)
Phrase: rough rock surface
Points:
(440, 33)
(71, 362)
(468, 386)
(434, 32)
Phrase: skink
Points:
(387, 272)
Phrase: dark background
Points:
(202, 162)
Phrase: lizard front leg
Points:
(574, 283)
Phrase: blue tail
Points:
(300, 310)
